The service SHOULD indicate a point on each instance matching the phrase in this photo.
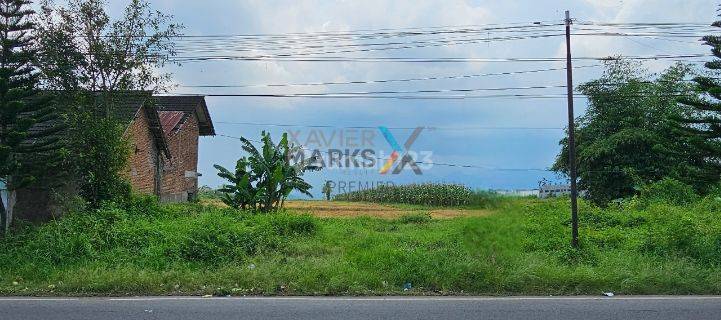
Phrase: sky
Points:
(507, 158)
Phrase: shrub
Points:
(291, 225)
(218, 237)
(668, 191)
(153, 236)
(658, 229)
(218, 242)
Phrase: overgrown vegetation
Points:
(429, 194)
(264, 179)
(92, 63)
(648, 155)
(628, 136)
(27, 119)
(661, 224)
(642, 246)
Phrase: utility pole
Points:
(571, 136)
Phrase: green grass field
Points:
(522, 248)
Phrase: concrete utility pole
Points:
(571, 136)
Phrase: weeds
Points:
(524, 248)
(415, 218)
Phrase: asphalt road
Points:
(181, 308)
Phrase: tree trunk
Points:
(3, 214)
(12, 197)
(6, 210)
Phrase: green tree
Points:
(702, 122)
(27, 118)
(93, 63)
(627, 137)
(264, 179)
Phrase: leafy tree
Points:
(27, 119)
(92, 63)
(263, 180)
(98, 153)
(703, 121)
(81, 48)
(627, 137)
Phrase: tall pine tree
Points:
(704, 121)
(27, 142)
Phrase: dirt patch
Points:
(339, 209)
(355, 209)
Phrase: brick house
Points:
(163, 132)
(164, 154)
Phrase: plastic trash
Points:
(407, 286)
(608, 294)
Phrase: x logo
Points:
(397, 150)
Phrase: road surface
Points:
(667, 307)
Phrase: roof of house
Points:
(171, 120)
(188, 104)
(126, 106)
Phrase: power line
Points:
(422, 97)
(426, 163)
(384, 31)
(421, 60)
(453, 165)
(411, 31)
(250, 45)
(646, 24)
(394, 46)
(462, 128)
(386, 80)
(357, 93)
(401, 97)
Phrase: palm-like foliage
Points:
(240, 193)
(264, 179)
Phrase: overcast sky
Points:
(491, 149)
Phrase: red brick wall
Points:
(37, 204)
(143, 155)
(183, 145)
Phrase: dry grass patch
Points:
(340, 209)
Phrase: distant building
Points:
(554, 190)
(546, 191)
(518, 192)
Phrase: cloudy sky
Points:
(458, 139)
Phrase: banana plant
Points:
(240, 193)
(265, 178)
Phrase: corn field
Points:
(431, 194)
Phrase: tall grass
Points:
(429, 194)
(638, 247)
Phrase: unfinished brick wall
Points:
(183, 145)
(143, 155)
